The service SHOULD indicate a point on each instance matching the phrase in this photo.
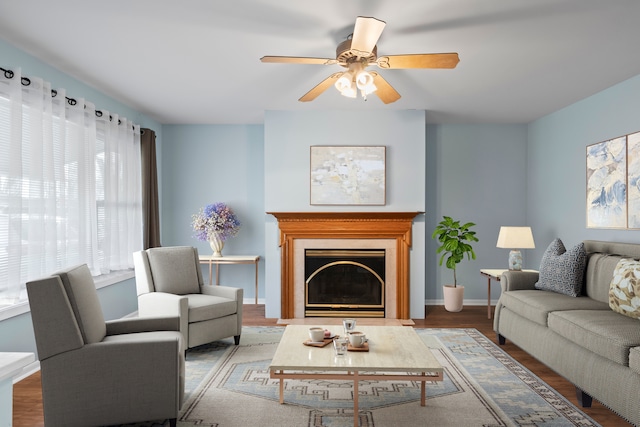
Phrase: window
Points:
(70, 186)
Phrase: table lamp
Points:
(515, 238)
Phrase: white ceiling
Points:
(197, 61)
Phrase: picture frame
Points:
(347, 175)
(613, 183)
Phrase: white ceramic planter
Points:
(453, 297)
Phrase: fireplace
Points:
(344, 282)
(387, 231)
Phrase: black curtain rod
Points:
(9, 74)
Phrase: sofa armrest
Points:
(518, 280)
(142, 324)
(229, 292)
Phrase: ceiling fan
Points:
(356, 54)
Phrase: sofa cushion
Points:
(598, 274)
(634, 359)
(603, 332)
(536, 305)
(562, 270)
(174, 270)
(207, 307)
(624, 291)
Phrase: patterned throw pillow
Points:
(624, 291)
(562, 270)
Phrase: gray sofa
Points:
(580, 338)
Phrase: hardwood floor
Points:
(27, 395)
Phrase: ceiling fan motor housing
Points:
(345, 55)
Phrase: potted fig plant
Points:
(454, 239)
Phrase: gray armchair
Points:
(97, 373)
(169, 282)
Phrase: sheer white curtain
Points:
(69, 186)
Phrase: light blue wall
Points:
(288, 138)
(475, 173)
(16, 334)
(491, 174)
(204, 164)
(556, 161)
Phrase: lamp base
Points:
(515, 260)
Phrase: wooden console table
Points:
(229, 259)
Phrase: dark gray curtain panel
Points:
(150, 209)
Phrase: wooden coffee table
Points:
(395, 353)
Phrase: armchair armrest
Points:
(518, 280)
(142, 324)
(229, 292)
(235, 294)
(162, 304)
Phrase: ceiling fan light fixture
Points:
(364, 82)
(345, 85)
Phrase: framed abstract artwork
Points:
(633, 180)
(348, 175)
(613, 183)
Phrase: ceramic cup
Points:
(316, 334)
(357, 339)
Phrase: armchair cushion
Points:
(83, 297)
(206, 307)
(172, 272)
(54, 324)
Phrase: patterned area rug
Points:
(229, 385)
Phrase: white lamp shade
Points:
(515, 238)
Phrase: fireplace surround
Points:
(389, 231)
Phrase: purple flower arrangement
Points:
(215, 219)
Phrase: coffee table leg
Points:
(281, 389)
(422, 393)
(355, 399)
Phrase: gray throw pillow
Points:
(562, 270)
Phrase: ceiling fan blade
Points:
(366, 34)
(384, 90)
(321, 87)
(423, 60)
(298, 60)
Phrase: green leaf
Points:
(453, 238)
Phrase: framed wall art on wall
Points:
(348, 175)
(613, 183)
(633, 180)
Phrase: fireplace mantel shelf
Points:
(395, 226)
(344, 216)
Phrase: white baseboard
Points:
(28, 370)
(466, 302)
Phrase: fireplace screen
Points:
(343, 282)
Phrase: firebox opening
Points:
(343, 282)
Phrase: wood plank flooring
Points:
(27, 395)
